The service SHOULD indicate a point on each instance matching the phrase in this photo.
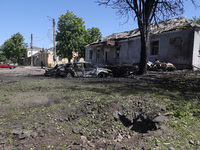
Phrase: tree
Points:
(2, 56)
(14, 48)
(94, 34)
(195, 19)
(73, 36)
(70, 35)
(146, 12)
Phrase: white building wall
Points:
(174, 46)
(130, 51)
(170, 50)
(196, 50)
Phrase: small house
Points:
(176, 41)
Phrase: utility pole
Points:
(54, 38)
(31, 50)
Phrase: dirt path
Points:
(9, 75)
(22, 71)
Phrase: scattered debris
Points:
(118, 138)
(171, 148)
(160, 119)
(191, 142)
(160, 66)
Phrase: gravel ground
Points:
(22, 71)
(9, 75)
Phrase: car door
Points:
(5, 66)
(78, 69)
(89, 70)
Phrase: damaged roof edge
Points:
(161, 27)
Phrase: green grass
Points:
(68, 99)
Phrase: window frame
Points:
(154, 53)
(98, 53)
(90, 54)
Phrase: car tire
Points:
(101, 75)
(12, 67)
(69, 75)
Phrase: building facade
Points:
(45, 57)
(176, 41)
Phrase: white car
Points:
(79, 69)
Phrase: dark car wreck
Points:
(78, 69)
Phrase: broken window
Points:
(78, 67)
(154, 48)
(107, 56)
(90, 54)
(98, 54)
(88, 65)
(117, 52)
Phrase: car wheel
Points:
(101, 75)
(12, 67)
(69, 75)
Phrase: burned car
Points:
(54, 71)
(78, 69)
(160, 66)
(126, 70)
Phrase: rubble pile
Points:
(160, 66)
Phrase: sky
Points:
(30, 17)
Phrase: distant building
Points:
(44, 57)
(27, 58)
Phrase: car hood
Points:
(103, 69)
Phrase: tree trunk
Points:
(144, 31)
(18, 59)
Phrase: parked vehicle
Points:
(53, 71)
(6, 65)
(78, 69)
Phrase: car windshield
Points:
(88, 65)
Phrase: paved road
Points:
(22, 71)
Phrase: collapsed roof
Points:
(161, 27)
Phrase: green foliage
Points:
(195, 19)
(181, 113)
(2, 57)
(89, 105)
(94, 34)
(70, 34)
(14, 48)
(73, 36)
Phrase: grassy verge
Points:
(68, 109)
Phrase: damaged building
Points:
(175, 40)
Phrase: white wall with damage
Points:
(177, 41)
(196, 50)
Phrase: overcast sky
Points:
(30, 17)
